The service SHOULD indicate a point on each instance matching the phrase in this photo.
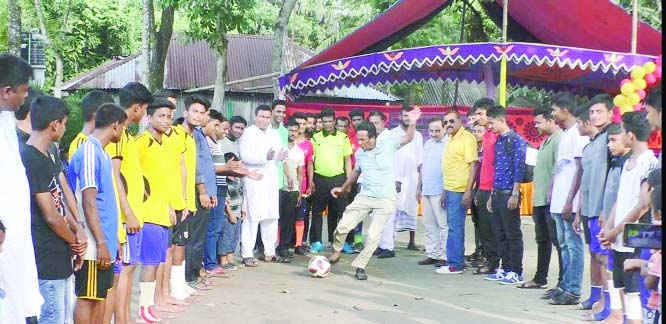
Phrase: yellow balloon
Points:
(619, 100)
(633, 99)
(625, 108)
(637, 73)
(649, 67)
(639, 84)
(627, 88)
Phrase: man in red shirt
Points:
(487, 159)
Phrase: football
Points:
(319, 267)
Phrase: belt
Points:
(503, 191)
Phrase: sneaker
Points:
(386, 254)
(378, 251)
(497, 276)
(347, 248)
(358, 247)
(316, 247)
(448, 270)
(300, 250)
(512, 278)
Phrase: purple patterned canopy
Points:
(551, 68)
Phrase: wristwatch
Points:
(515, 194)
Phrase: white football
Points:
(319, 267)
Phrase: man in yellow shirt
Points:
(176, 142)
(158, 216)
(459, 164)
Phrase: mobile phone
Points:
(642, 236)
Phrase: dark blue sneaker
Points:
(386, 254)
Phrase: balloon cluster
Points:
(633, 91)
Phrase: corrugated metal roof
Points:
(443, 93)
(360, 92)
(191, 64)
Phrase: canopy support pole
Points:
(502, 85)
(462, 37)
(634, 27)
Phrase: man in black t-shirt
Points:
(55, 234)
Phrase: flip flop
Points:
(532, 285)
(250, 262)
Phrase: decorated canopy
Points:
(553, 68)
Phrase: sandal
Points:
(532, 285)
(277, 259)
(483, 271)
(250, 262)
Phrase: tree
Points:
(14, 27)
(210, 21)
(280, 41)
(155, 42)
(51, 40)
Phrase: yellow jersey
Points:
(174, 143)
(152, 153)
(130, 173)
(190, 166)
(76, 143)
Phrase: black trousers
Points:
(478, 244)
(509, 234)
(487, 230)
(323, 199)
(546, 237)
(287, 218)
(198, 227)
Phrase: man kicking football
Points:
(377, 196)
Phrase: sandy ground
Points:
(398, 291)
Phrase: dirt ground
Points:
(398, 291)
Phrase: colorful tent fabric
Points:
(553, 68)
(594, 24)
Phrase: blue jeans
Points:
(214, 231)
(455, 244)
(230, 236)
(571, 245)
(54, 309)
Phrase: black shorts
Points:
(91, 282)
(586, 228)
(621, 279)
(180, 231)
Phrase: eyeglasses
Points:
(452, 121)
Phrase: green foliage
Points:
(209, 19)
(3, 31)
(75, 119)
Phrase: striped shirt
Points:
(218, 159)
(90, 167)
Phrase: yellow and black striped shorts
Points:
(92, 282)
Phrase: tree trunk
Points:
(14, 27)
(57, 91)
(220, 48)
(280, 42)
(147, 34)
(160, 48)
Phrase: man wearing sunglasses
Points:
(459, 165)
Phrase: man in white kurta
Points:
(407, 161)
(18, 270)
(260, 150)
